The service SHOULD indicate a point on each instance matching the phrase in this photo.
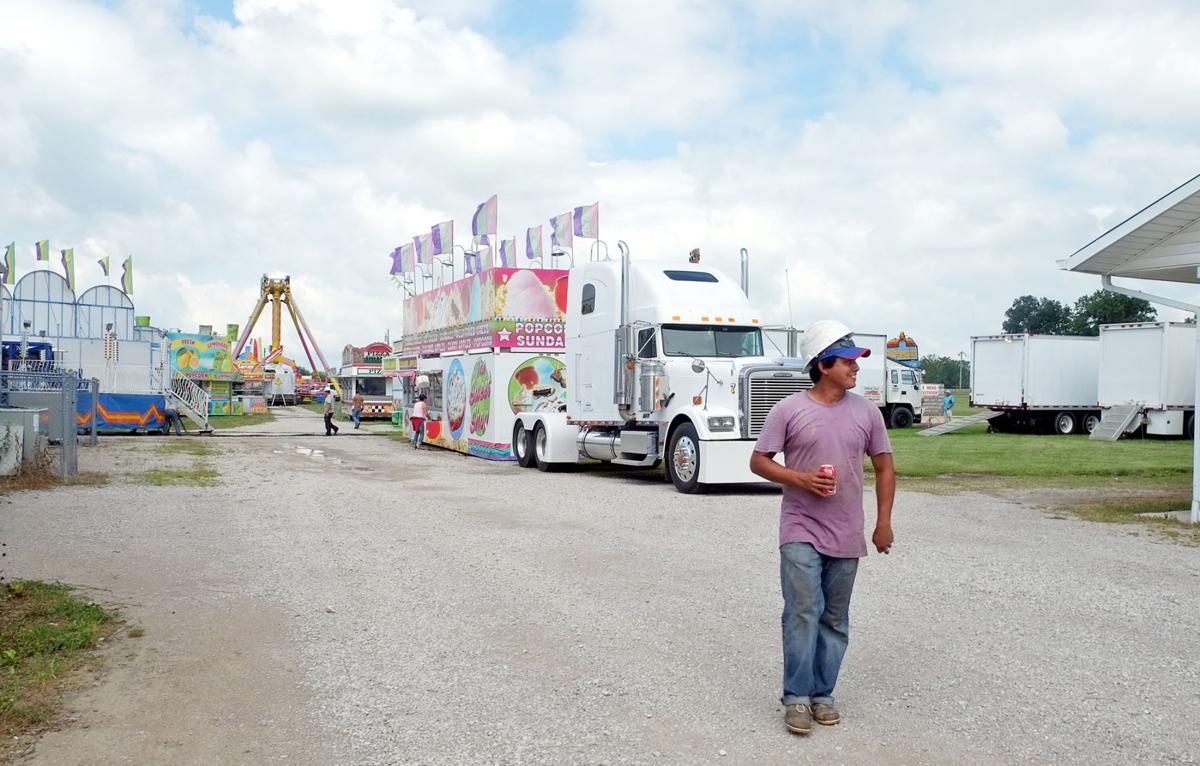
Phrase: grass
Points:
(46, 632)
(202, 475)
(196, 447)
(237, 421)
(40, 480)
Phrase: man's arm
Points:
(885, 493)
(763, 464)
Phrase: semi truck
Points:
(663, 362)
(1041, 383)
(1150, 366)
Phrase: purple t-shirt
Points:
(811, 434)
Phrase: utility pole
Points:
(961, 363)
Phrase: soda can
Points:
(831, 472)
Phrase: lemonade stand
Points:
(207, 361)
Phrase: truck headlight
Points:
(723, 423)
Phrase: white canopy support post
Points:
(1106, 283)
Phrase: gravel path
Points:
(351, 600)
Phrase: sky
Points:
(900, 166)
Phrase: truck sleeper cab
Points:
(664, 362)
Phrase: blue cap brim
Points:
(854, 352)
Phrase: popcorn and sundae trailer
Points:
(483, 349)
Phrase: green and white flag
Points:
(127, 276)
(103, 264)
(68, 262)
(43, 250)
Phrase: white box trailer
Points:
(1042, 383)
(1151, 365)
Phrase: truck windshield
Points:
(706, 340)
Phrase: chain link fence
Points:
(58, 393)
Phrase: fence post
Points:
(70, 439)
(94, 390)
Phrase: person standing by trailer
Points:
(356, 408)
(948, 406)
(823, 433)
(420, 412)
(330, 428)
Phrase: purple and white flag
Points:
(484, 220)
(443, 237)
(587, 221)
(407, 264)
(397, 263)
(560, 230)
(423, 245)
(472, 264)
(508, 252)
(533, 243)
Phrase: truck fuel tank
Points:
(653, 386)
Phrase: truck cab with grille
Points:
(665, 362)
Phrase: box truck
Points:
(1042, 383)
(895, 388)
(1150, 366)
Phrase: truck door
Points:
(909, 391)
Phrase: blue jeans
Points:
(356, 415)
(173, 420)
(816, 621)
(419, 433)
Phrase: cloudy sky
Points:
(911, 165)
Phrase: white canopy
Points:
(1161, 242)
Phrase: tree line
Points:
(1046, 316)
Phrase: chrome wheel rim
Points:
(684, 459)
(519, 445)
(1090, 423)
(1065, 424)
(540, 445)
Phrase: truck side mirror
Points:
(697, 365)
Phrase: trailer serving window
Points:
(371, 386)
(707, 340)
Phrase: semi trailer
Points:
(1041, 383)
(1150, 367)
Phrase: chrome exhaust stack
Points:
(745, 271)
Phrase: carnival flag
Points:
(508, 252)
(443, 237)
(484, 220)
(560, 230)
(533, 243)
(103, 264)
(43, 250)
(472, 264)
(416, 244)
(127, 276)
(407, 264)
(9, 267)
(587, 221)
(68, 262)
(397, 263)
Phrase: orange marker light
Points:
(703, 319)
(675, 319)
(697, 400)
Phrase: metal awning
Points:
(1160, 242)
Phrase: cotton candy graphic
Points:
(527, 297)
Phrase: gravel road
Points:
(351, 600)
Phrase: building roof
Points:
(1161, 241)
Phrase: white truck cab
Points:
(663, 360)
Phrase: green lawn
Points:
(234, 421)
(974, 452)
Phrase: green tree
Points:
(945, 370)
(1104, 307)
(1043, 316)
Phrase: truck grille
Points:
(763, 389)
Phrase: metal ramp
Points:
(958, 423)
(1115, 422)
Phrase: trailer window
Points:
(647, 348)
(589, 299)
(706, 340)
(435, 391)
(371, 386)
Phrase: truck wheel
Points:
(540, 445)
(1064, 423)
(683, 460)
(521, 447)
(902, 417)
(1189, 426)
(1090, 421)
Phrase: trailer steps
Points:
(1115, 422)
(958, 423)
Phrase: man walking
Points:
(823, 434)
(356, 408)
(330, 428)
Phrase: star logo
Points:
(504, 335)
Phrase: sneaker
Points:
(798, 719)
(825, 714)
